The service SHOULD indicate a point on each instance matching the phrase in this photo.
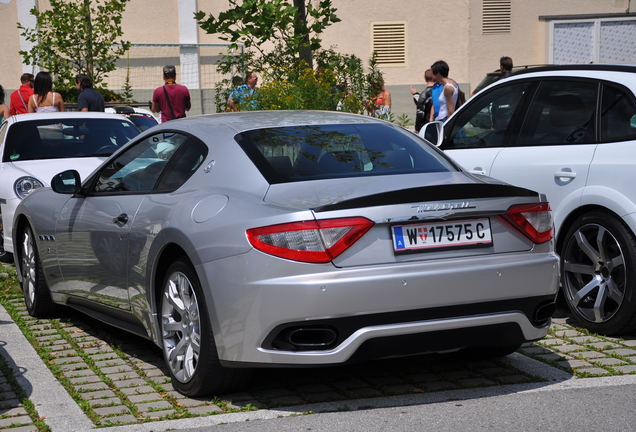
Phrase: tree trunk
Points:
(300, 29)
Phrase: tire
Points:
(37, 296)
(598, 276)
(187, 340)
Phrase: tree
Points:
(294, 28)
(76, 36)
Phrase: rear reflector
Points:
(311, 241)
(534, 220)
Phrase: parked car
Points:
(143, 118)
(568, 132)
(493, 76)
(36, 146)
(256, 239)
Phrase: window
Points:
(562, 112)
(389, 42)
(485, 122)
(496, 16)
(618, 116)
(168, 157)
(300, 153)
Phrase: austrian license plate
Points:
(437, 235)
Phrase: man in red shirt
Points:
(172, 99)
(19, 99)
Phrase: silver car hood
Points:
(313, 194)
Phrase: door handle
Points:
(477, 170)
(565, 174)
(122, 219)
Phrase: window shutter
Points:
(496, 15)
(389, 42)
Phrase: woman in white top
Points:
(43, 99)
(448, 96)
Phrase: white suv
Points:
(568, 132)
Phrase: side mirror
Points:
(433, 132)
(67, 182)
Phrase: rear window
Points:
(316, 152)
(66, 138)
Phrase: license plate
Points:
(437, 235)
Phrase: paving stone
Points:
(138, 390)
(275, 393)
(552, 342)
(123, 376)
(107, 411)
(386, 380)
(398, 389)
(157, 405)
(79, 373)
(8, 402)
(104, 356)
(147, 397)
(573, 364)
(5, 387)
(74, 366)
(349, 385)
(110, 362)
(604, 345)
(475, 382)
(68, 360)
(205, 409)
(132, 383)
(567, 348)
(591, 354)
(157, 414)
(569, 333)
(609, 361)
(15, 412)
(155, 372)
(85, 379)
(29, 428)
(512, 379)
(455, 375)
(287, 400)
(102, 394)
(251, 403)
(123, 419)
(628, 369)
(437, 385)
(19, 420)
(551, 357)
(425, 377)
(629, 342)
(594, 371)
(118, 369)
(104, 402)
(92, 386)
(585, 339)
(622, 352)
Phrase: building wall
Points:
(450, 30)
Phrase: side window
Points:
(182, 166)
(484, 122)
(139, 168)
(618, 116)
(562, 112)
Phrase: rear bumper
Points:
(250, 303)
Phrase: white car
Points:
(34, 147)
(568, 132)
(141, 117)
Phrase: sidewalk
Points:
(119, 379)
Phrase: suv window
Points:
(618, 116)
(484, 123)
(562, 112)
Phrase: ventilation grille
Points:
(389, 42)
(496, 16)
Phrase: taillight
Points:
(312, 241)
(534, 220)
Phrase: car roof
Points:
(250, 120)
(579, 67)
(64, 115)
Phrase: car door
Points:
(95, 245)
(555, 145)
(478, 132)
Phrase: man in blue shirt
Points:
(89, 99)
(243, 94)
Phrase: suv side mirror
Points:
(66, 182)
(433, 132)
